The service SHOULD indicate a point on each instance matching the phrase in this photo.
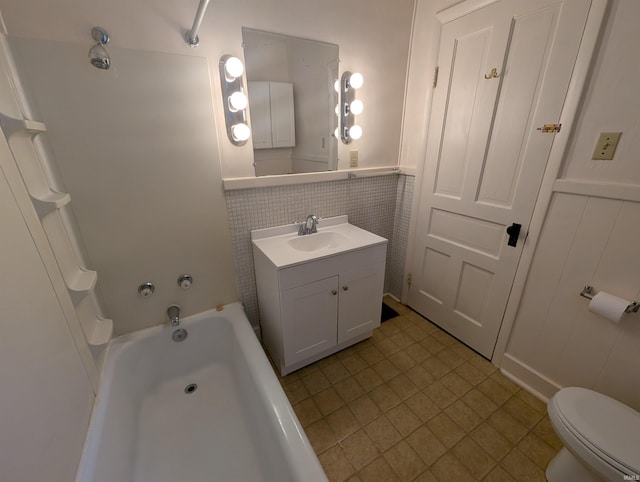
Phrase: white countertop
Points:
(335, 235)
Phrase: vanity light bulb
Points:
(356, 107)
(238, 101)
(233, 67)
(336, 86)
(336, 133)
(355, 132)
(338, 110)
(240, 132)
(356, 80)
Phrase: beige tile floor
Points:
(413, 403)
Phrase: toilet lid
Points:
(606, 425)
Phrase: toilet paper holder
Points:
(588, 293)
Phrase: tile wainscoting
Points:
(380, 204)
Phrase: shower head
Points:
(98, 55)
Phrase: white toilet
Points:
(601, 438)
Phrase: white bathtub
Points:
(236, 426)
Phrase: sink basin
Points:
(316, 241)
(282, 246)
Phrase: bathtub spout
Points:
(174, 315)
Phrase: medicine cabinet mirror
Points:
(292, 102)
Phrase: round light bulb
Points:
(356, 107)
(356, 80)
(336, 133)
(238, 101)
(355, 132)
(336, 86)
(338, 110)
(240, 132)
(233, 67)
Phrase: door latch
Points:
(514, 232)
(550, 128)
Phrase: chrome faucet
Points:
(306, 229)
(174, 315)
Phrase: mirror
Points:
(291, 102)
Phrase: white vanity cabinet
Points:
(314, 308)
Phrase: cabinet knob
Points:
(345, 287)
(334, 292)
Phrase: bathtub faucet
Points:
(174, 315)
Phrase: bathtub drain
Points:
(179, 335)
(192, 387)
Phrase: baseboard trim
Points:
(528, 378)
(393, 297)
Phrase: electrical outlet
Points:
(353, 158)
(606, 146)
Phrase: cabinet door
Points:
(309, 318)
(260, 104)
(282, 117)
(360, 302)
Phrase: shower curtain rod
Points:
(191, 36)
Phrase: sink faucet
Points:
(174, 315)
(305, 229)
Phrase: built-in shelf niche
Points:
(49, 205)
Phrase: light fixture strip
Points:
(347, 96)
(230, 85)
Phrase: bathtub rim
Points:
(293, 442)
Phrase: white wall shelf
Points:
(79, 280)
(20, 134)
(48, 204)
(97, 329)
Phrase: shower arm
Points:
(191, 37)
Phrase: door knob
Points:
(346, 288)
(334, 292)
(513, 231)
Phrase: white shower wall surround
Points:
(378, 204)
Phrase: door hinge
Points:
(550, 128)
(409, 279)
(435, 76)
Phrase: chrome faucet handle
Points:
(174, 315)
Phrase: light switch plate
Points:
(606, 146)
(353, 158)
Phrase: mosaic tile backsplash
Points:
(379, 204)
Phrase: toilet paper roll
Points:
(609, 306)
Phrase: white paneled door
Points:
(504, 72)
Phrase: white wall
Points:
(590, 237)
(46, 397)
(46, 369)
(611, 104)
(111, 163)
(135, 148)
(373, 37)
